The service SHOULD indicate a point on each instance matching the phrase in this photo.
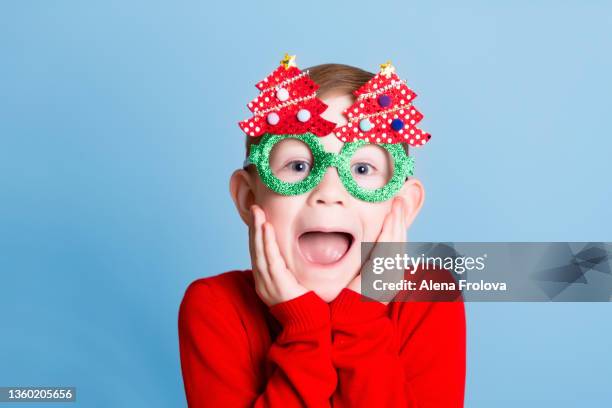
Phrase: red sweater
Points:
(238, 352)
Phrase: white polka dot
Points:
(412, 131)
(383, 126)
(282, 94)
(252, 134)
(384, 135)
(355, 129)
(417, 137)
(361, 105)
(350, 124)
(374, 86)
(402, 101)
(423, 141)
(389, 140)
(267, 99)
(251, 124)
(378, 140)
(355, 110)
(250, 104)
(403, 92)
(401, 111)
(384, 115)
(412, 111)
(343, 129)
(257, 129)
(412, 121)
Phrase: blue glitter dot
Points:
(397, 124)
(384, 100)
(303, 115)
(365, 125)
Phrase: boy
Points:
(293, 331)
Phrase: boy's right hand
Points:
(274, 282)
(393, 230)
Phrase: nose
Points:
(329, 191)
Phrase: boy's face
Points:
(319, 232)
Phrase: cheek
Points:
(281, 212)
(372, 217)
(279, 209)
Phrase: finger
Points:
(387, 229)
(400, 237)
(376, 251)
(400, 228)
(252, 235)
(397, 239)
(399, 232)
(395, 216)
(260, 257)
(276, 263)
(391, 232)
(261, 287)
(383, 236)
(380, 250)
(404, 220)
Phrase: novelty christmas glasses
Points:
(372, 164)
(295, 164)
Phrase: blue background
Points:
(118, 135)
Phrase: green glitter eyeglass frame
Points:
(259, 155)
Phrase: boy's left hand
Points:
(393, 230)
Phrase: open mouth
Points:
(324, 248)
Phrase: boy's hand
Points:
(393, 230)
(274, 283)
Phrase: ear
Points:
(413, 194)
(241, 190)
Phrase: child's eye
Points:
(299, 166)
(362, 169)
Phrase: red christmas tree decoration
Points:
(287, 104)
(383, 112)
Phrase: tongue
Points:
(323, 247)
